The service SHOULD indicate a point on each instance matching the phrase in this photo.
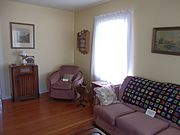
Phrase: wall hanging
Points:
(22, 35)
(83, 41)
(166, 40)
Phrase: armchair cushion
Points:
(62, 85)
(67, 77)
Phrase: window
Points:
(111, 46)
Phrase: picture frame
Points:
(22, 35)
(166, 40)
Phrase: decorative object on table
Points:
(83, 41)
(25, 59)
(30, 60)
(23, 56)
(166, 40)
(22, 35)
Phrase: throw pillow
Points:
(106, 95)
(67, 77)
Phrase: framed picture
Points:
(22, 35)
(166, 40)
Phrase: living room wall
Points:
(54, 39)
(147, 14)
(1, 62)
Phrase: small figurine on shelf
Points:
(23, 56)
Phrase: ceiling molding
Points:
(72, 5)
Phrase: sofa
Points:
(136, 95)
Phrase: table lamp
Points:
(23, 54)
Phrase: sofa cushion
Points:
(110, 112)
(62, 85)
(170, 131)
(106, 95)
(140, 124)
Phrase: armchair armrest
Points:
(54, 77)
(78, 80)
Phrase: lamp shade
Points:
(23, 53)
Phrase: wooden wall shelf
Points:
(83, 41)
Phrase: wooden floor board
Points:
(44, 116)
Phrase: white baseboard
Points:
(9, 97)
(6, 97)
(41, 92)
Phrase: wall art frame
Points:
(22, 35)
(83, 39)
(166, 40)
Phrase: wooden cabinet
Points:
(24, 82)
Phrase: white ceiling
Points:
(65, 4)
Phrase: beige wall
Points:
(1, 59)
(54, 38)
(54, 31)
(147, 14)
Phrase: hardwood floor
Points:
(44, 116)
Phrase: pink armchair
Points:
(62, 83)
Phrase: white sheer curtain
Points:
(111, 44)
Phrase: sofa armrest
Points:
(117, 88)
(96, 100)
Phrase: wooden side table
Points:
(99, 84)
(82, 91)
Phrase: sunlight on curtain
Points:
(110, 47)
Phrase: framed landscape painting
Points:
(22, 36)
(166, 40)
